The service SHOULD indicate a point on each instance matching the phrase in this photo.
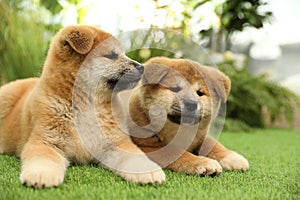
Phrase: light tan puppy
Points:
(190, 95)
(38, 116)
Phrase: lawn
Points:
(273, 154)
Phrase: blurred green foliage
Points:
(251, 94)
(22, 44)
(144, 44)
(52, 5)
(231, 16)
(24, 36)
(236, 15)
(55, 7)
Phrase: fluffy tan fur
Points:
(207, 87)
(37, 117)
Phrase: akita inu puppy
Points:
(38, 117)
(171, 113)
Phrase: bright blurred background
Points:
(255, 42)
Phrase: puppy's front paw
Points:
(197, 165)
(155, 177)
(139, 169)
(208, 166)
(234, 161)
(42, 173)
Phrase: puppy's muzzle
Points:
(190, 105)
(188, 112)
(139, 67)
(128, 79)
(134, 74)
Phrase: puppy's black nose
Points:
(139, 67)
(190, 105)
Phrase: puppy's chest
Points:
(62, 131)
(189, 139)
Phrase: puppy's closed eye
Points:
(111, 56)
(175, 89)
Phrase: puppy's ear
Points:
(80, 38)
(217, 82)
(227, 86)
(158, 74)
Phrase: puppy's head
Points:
(97, 52)
(190, 93)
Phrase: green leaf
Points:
(74, 2)
(52, 5)
(200, 4)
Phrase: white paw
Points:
(234, 161)
(139, 169)
(42, 173)
(209, 167)
(155, 177)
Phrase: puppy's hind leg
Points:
(42, 165)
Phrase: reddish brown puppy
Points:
(190, 95)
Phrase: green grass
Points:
(274, 157)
